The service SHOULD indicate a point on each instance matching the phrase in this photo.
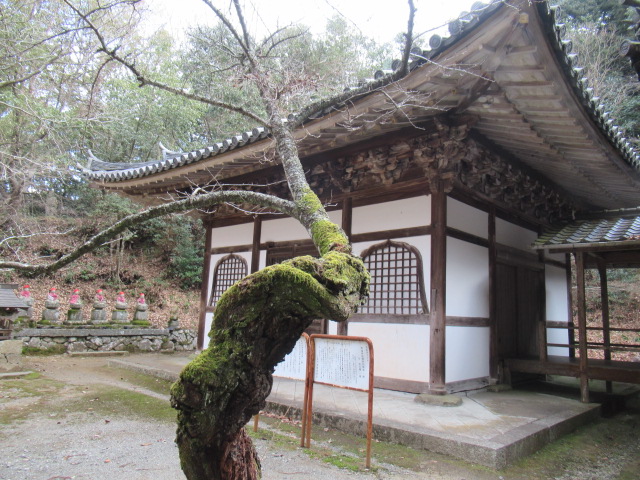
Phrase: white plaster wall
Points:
(405, 213)
(208, 321)
(467, 353)
(400, 351)
(421, 243)
(467, 279)
(332, 328)
(232, 235)
(467, 219)
(561, 336)
(287, 228)
(556, 293)
(282, 230)
(557, 308)
(514, 235)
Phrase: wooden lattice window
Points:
(397, 282)
(228, 271)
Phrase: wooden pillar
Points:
(438, 291)
(255, 249)
(493, 299)
(582, 327)
(347, 209)
(204, 291)
(571, 333)
(606, 324)
(542, 320)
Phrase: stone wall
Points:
(106, 339)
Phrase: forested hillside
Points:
(63, 101)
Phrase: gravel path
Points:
(86, 445)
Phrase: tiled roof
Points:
(8, 298)
(589, 232)
(555, 30)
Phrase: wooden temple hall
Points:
(466, 187)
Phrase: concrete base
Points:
(491, 429)
(438, 400)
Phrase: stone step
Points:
(112, 353)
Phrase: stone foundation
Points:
(10, 356)
(107, 339)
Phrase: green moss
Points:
(141, 323)
(43, 352)
(329, 236)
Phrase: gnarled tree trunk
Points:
(257, 322)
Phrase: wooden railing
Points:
(606, 343)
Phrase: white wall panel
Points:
(332, 328)
(286, 228)
(467, 279)
(556, 292)
(559, 336)
(467, 353)
(467, 219)
(282, 230)
(208, 320)
(557, 308)
(232, 235)
(514, 235)
(406, 213)
(400, 351)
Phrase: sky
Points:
(380, 19)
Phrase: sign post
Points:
(343, 362)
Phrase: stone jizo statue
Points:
(74, 314)
(141, 316)
(98, 313)
(50, 315)
(119, 314)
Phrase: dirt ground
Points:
(76, 418)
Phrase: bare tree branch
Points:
(408, 43)
(144, 80)
(190, 203)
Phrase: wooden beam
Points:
(255, 246)
(604, 302)
(571, 332)
(493, 303)
(204, 290)
(542, 319)
(347, 220)
(582, 328)
(437, 351)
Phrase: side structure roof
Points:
(507, 68)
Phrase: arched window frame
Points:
(378, 279)
(223, 277)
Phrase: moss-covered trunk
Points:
(257, 322)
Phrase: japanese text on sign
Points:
(342, 363)
(294, 364)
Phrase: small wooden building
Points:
(443, 181)
(11, 306)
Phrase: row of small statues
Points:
(51, 313)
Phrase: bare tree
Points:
(259, 320)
